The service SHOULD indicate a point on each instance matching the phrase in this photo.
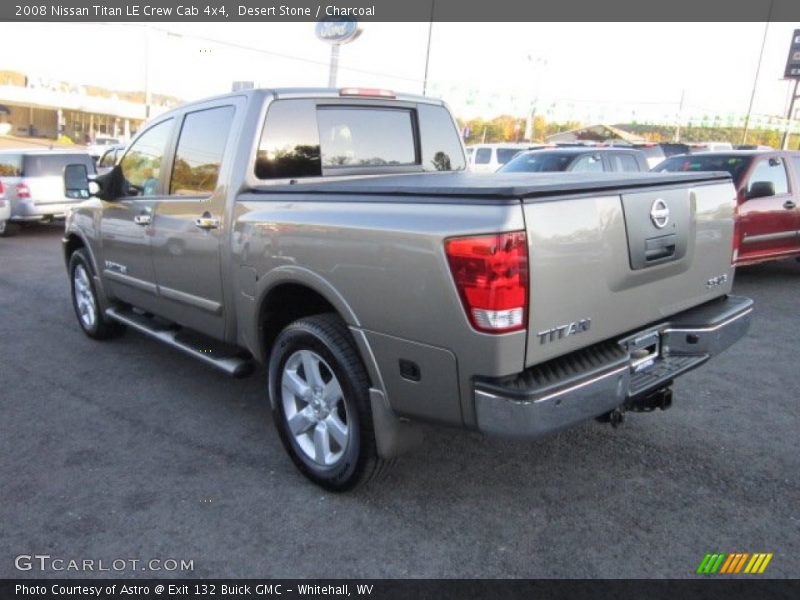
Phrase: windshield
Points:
(735, 165)
(537, 162)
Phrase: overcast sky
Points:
(592, 71)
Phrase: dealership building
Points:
(35, 108)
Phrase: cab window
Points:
(198, 157)
(141, 165)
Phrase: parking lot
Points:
(128, 449)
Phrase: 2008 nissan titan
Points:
(334, 237)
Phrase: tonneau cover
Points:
(496, 185)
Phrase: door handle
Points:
(789, 205)
(144, 219)
(206, 221)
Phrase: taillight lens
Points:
(491, 274)
(23, 191)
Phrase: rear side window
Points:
(624, 162)
(199, 154)
(52, 165)
(441, 144)
(483, 156)
(772, 170)
(357, 137)
(10, 165)
(289, 145)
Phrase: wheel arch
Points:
(290, 293)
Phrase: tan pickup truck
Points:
(333, 237)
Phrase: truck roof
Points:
(493, 186)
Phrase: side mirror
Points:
(761, 189)
(77, 183)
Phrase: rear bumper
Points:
(596, 380)
(24, 209)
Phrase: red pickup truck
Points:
(768, 199)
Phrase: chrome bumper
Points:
(596, 380)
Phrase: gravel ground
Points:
(130, 450)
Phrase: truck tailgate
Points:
(603, 265)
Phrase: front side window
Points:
(771, 170)
(141, 165)
(359, 137)
(199, 154)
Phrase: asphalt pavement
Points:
(129, 450)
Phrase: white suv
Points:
(487, 158)
(5, 211)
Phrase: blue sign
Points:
(337, 32)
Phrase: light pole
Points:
(336, 33)
(539, 63)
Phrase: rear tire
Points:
(7, 229)
(84, 299)
(320, 395)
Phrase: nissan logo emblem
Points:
(659, 213)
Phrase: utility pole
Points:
(680, 116)
(755, 79)
(789, 117)
(428, 51)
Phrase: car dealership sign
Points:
(793, 61)
(337, 32)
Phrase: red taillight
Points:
(2, 189)
(491, 274)
(371, 92)
(23, 191)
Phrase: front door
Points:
(190, 223)
(767, 221)
(127, 222)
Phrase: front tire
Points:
(85, 301)
(320, 396)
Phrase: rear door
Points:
(190, 221)
(767, 224)
(127, 222)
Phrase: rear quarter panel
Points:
(382, 264)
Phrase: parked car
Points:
(768, 199)
(5, 211)
(578, 159)
(653, 153)
(487, 158)
(101, 143)
(34, 185)
(109, 158)
(331, 236)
